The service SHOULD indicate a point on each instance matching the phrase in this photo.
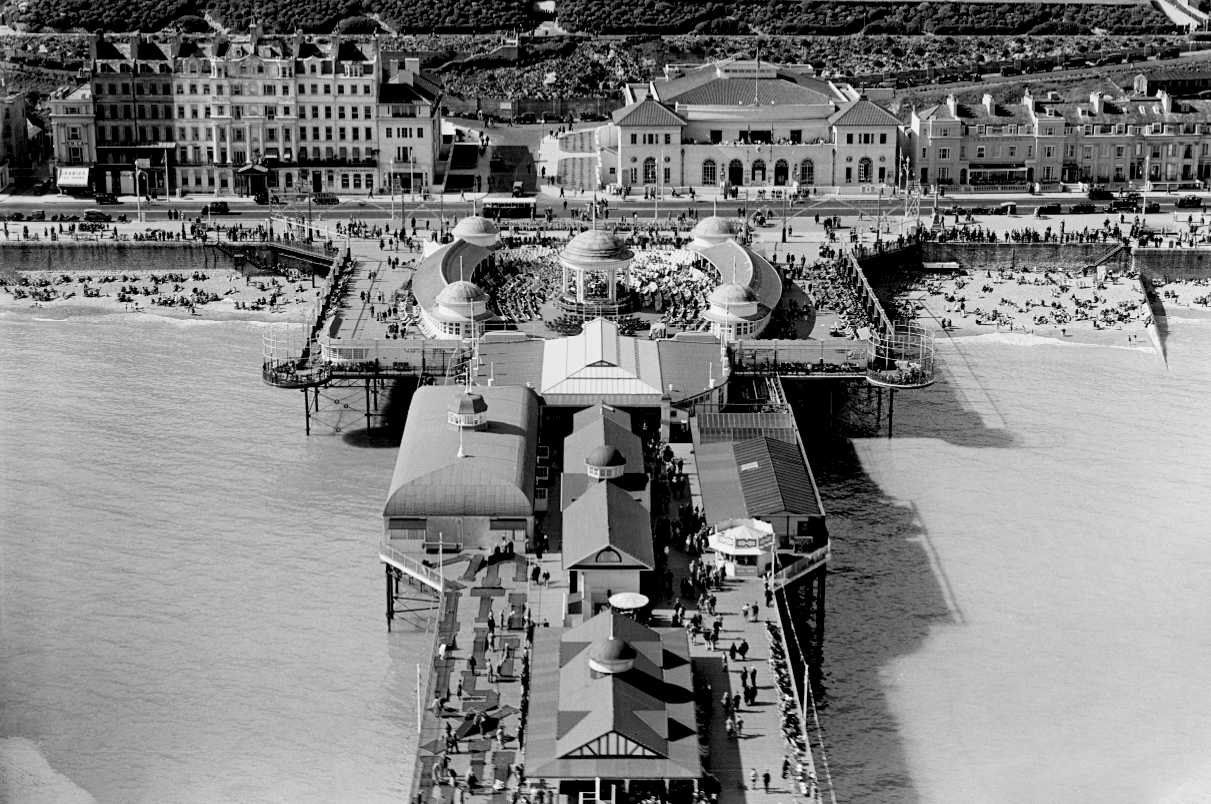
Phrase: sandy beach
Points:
(221, 294)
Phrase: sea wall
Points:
(1024, 256)
(108, 256)
(1173, 264)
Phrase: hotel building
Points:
(1150, 142)
(249, 114)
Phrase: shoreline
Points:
(222, 294)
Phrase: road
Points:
(453, 206)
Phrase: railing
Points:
(901, 358)
(412, 566)
(800, 567)
(287, 373)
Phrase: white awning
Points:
(73, 177)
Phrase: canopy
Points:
(628, 601)
(73, 177)
(742, 537)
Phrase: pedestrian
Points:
(786, 766)
(743, 650)
(744, 611)
(471, 664)
(756, 609)
(765, 777)
(731, 651)
(739, 726)
(752, 777)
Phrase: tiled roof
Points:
(607, 519)
(646, 113)
(401, 92)
(749, 91)
(864, 113)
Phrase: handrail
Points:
(430, 576)
(801, 566)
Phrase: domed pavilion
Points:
(594, 252)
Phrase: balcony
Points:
(336, 161)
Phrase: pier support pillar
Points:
(307, 411)
(368, 404)
(817, 660)
(878, 408)
(391, 581)
(891, 410)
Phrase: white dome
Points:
(714, 230)
(477, 230)
(461, 292)
(730, 294)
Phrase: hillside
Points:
(827, 17)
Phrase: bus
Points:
(500, 205)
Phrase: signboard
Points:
(143, 164)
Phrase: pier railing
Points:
(411, 565)
(800, 566)
(902, 357)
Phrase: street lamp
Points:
(140, 168)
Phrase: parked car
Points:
(97, 216)
(1050, 209)
(1082, 209)
(525, 119)
(1152, 208)
(106, 198)
(325, 199)
(261, 198)
(216, 208)
(1100, 194)
(1123, 205)
(39, 215)
(1189, 202)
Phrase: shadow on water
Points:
(394, 402)
(884, 589)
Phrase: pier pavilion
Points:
(602, 446)
(612, 712)
(464, 477)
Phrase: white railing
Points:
(413, 566)
(800, 567)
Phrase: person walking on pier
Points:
(765, 777)
(743, 649)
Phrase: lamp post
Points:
(141, 166)
(391, 187)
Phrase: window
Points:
(710, 172)
(758, 171)
(943, 153)
(807, 172)
(634, 138)
(668, 139)
(979, 152)
(883, 138)
(649, 170)
(849, 139)
(865, 166)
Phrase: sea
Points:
(191, 604)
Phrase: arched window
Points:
(758, 171)
(807, 172)
(864, 170)
(649, 170)
(710, 175)
(735, 173)
(781, 171)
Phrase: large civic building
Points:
(248, 114)
(737, 123)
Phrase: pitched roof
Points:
(863, 113)
(646, 112)
(606, 528)
(754, 478)
(648, 705)
(597, 431)
(748, 92)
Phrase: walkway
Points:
(760, 745)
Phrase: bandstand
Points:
(588, 259)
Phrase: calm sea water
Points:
(191, 603)
(190, 595)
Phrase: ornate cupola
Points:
(468, 411)
(604, 463)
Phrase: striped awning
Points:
(73, 177)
